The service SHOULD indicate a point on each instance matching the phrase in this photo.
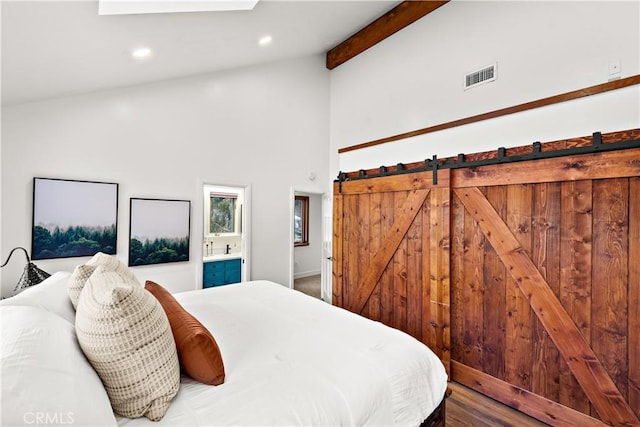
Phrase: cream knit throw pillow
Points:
(82, 272)
(124, 333)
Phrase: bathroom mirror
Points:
(223, 211)
(222, 214)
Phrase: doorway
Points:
(310, 262)
(225, 234)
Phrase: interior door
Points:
(327, 254)
(391, 253)
(522, 277)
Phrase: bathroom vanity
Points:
(221, 270)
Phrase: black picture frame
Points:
(159, 231)
(73, 218)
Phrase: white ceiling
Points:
(57, 48)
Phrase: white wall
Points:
(307, 259)
(263, 126)
(414, 79)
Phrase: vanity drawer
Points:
(224, 272)
(215, 265)
(233, 264)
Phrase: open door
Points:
(327, 258)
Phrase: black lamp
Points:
(32, 275)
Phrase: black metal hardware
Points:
(434, 169)
(341, 179)
(434, 164)
(502, 155)
(596, 141)
(537, 149)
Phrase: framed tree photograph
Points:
(73, 218)
(159, 231)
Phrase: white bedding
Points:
(294, 360)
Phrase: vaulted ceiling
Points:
(53, 48)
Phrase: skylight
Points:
(124, 7)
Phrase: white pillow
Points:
(124, 332)
(45, 377)
(50, 294)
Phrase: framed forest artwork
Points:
(73, 218)
(159, 231)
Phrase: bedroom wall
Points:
(307, 259)
(264, 126)
(414, 79)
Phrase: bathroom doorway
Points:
(225, 234)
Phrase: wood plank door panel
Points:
(634, 295)
(576, 237)
(525, 283)
(597, 381)
(391, 252)
(545, 254)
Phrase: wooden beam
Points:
(580, 93)
(576, 351)
(543, 409)
(392, 239)
(391, 22)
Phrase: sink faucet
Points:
(227, 249)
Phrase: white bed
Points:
(289, 360)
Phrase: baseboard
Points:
(303, 274)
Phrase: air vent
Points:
(484, 75)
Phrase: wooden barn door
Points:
(523, 277)
(545, 286)
(391, 254)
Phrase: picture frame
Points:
(159, 231)
(73, 218)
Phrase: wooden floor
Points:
(465, 407)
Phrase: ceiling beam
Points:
(391, 22)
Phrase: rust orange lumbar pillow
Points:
(198, 351)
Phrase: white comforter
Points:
(294, 360)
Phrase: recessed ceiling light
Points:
(265, 41)
(141, 53)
